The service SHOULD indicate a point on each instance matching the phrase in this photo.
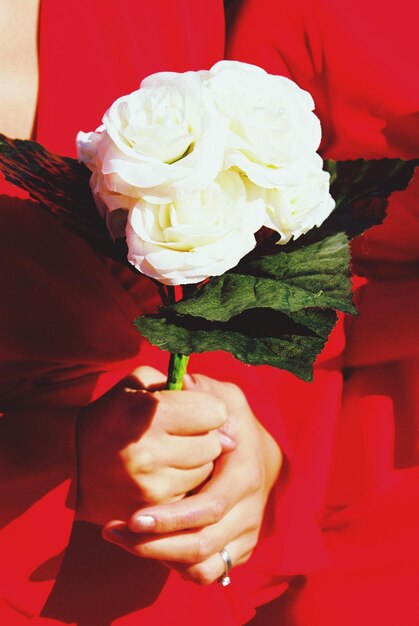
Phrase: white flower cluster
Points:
(200, 161)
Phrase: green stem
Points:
(178, 362)
(177, 369)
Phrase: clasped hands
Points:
(176, 476)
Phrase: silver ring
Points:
(225, 579)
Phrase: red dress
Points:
(348, 514)
(57, 354)
(66, 335)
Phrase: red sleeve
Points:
(66, 331)
(336, 498)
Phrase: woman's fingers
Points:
(194, 451)
(170, 484)
(189, 547)
(183, 414)
(227, 487)
(195, 511)
(214, 567)
(145, 447)
(194, 554)
(189, 533)
(189, 413)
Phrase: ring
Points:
(225, 579)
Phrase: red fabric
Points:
(66, 335)
(348, 515)
(345, 511)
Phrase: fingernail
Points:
(192, 382)
(114, 535)
(227, 442)
(143, 522)
(188, 381)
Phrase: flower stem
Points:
(177, 369)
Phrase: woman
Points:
(67, 342)
(354, 466)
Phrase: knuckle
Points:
(254, 537)
(255, 478)
(250, 542)
(217, 509)
(202, 574)
(244, 557)
(204, 547)
(145, 462)
(152, 491)
(141, 550)
(252, 533)
(234, 393)
(254, 528)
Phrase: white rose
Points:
(300, 203)
(202, 235)
(111, 205)
(159, 142)
(271, 120)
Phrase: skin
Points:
(227, 511)
(197, 463)
(146, 451)
(146, 447)
(18, 66)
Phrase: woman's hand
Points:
(227, 511)
(139, 447)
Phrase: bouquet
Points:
(210, 184)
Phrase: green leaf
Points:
(277, 310)
(256, 337)
(61, 185)
(361, 189)
(314, 276)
